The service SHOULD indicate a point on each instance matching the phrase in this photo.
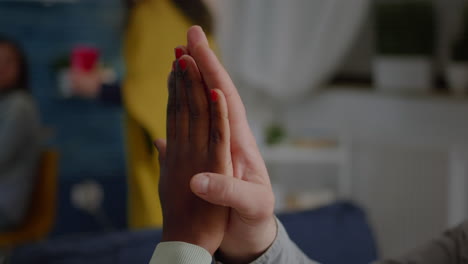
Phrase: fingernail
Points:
(200, 183)
(213, 96)
(178, 52)
(182, 64)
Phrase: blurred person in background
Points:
(19, 136)
(153, 27)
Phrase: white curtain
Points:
(287, 47)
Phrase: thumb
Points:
(160, 145)
(250, 200)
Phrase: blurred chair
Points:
(40, 217)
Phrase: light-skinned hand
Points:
(251, 227)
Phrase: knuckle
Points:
(179, 75)
(216, 136)
(195, 113)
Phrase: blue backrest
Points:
(334, 234)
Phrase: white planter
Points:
(457, 78)
(405, 74)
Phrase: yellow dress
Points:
(155, 28)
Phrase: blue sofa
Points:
(338, 233)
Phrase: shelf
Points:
(298, 155)
(373, 93)
(377, 118)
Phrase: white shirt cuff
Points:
(180, 253)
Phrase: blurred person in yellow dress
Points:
(153, 28)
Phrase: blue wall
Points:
(88, 134)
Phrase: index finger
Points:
(216, 77)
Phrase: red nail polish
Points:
(183, 64)
(178, 52)
(173, 66)
(213, 96)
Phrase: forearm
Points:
(451, 248)
(258, 239)
(283, 250)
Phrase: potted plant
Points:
(457, 69)
(275, 134)
(405, 40)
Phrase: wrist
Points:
(256, 240)
(197, 240)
